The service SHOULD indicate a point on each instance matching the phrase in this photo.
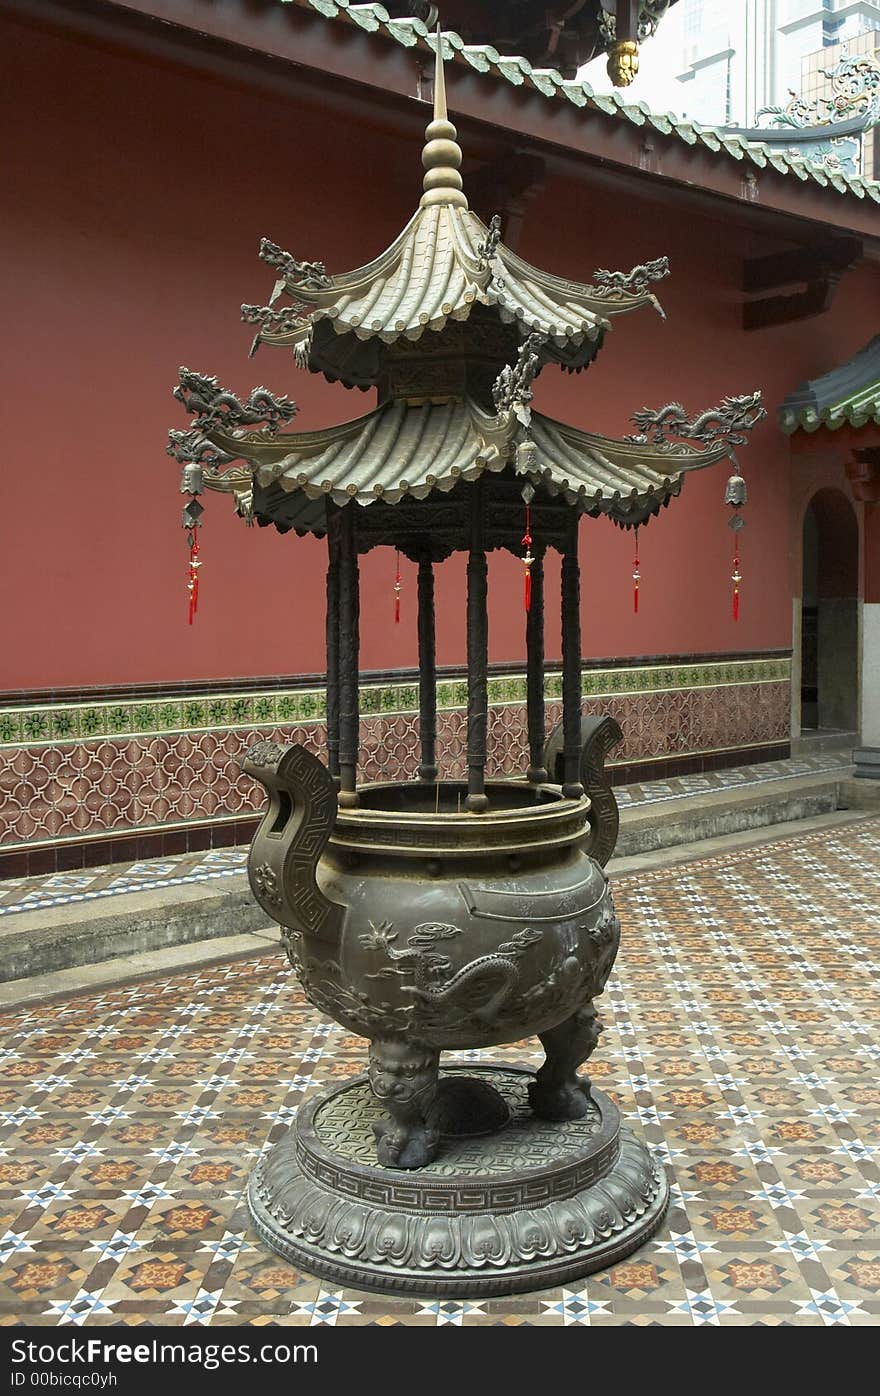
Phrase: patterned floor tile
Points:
(740, 1039)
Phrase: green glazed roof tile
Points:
(484, 58)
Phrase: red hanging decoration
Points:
(736, 495)
(398, 588)
(736, 578)
(637, 576)
(528, 559)
(194, 565)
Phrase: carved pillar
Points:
(477, 655)
(537, 771)
(333, 648)
(427, 674)
(571, 663)
(349, 647)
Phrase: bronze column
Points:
(477, 656)
(349, 647)
(537, 771)
(333, 647)
(427, 673)
(571, 663)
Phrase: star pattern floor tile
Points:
(741, 1031)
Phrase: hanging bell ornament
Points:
(526, 458)
(398, 588)
(192, 479)
(736, 494)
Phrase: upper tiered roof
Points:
(445, 262)
(452, 405)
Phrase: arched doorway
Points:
(830, 615)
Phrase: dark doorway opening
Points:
(830, 615)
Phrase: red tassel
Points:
(194, 565)
(398, 587)
(736, 578)
(637, 576)
(528, 559)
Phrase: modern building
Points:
(733, 59)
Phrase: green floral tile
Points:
(91, 722)
(371, 700)
(194, 714)
(218, 712)
(308, 706)
(64, 723)
(119, 719)
(10, 727)
(240, 710)
(145, 717)
(36, 725)
(264, 709)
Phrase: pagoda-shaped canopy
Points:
(444, 264)
(450, 328)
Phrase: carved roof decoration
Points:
(827, 131)
(550, 83)
(403, 451)
(847, 396)
(460, 413)
(444, 262)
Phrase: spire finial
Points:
(441, 155)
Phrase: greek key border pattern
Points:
(50, 724)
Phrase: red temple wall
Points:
(135, 196)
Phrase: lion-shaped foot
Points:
(571, 1100)
(398, 1147)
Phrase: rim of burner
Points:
(557, 822)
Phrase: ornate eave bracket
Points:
(725, 425)
(636, 283)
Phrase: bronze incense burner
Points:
(439, 915)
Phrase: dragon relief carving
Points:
(725, 424)
(478, 990)
(632, 283)
(323, 986)
(214, 407)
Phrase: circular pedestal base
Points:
(536, 1204)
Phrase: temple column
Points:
(477, 655)
(571, 663)
(349, 649)
(537, 771)
(333, 650)
(427, 674)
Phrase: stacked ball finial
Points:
(441, 155)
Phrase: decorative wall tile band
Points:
(66, 789)
(49, 724)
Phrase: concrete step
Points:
(130, 924)
(690, 818)
(816, 739)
